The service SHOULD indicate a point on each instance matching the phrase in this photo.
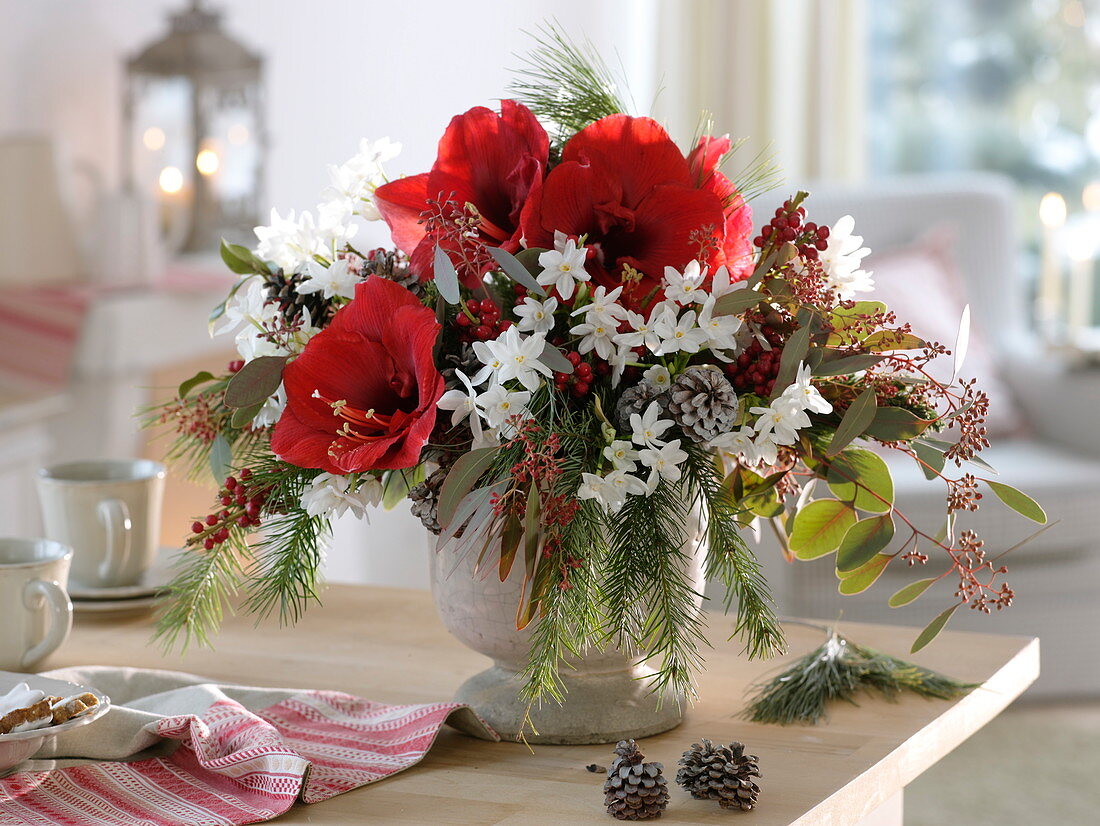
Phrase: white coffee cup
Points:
(108, 511)
(34, 607)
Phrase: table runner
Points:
(201, 753)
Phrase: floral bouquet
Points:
(578, 341)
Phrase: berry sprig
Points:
(789, 226)
(579, 382)
(241, 504)
(756, 368)
(480, 321)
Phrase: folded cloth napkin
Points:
(175, 750)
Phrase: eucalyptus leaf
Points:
(255, 382)
(737, 302)
(193, 382)
(962, 342)
(933, 629)
(555, 359)
(862, 478)
(862, 578)
(846, 364)
(398, 483)
(885, 341)
(844, 318)
(1018, 501)
(243, 416)
(509, 544)
(896, 424)
(793, 352)
(820, 527)
(515, 270)
(446, 276)
(461, 480)
(863, 542)
(763, 268)
(931, 460)
(910, 592)
(857, 418)
(239, 259)
(221, 458)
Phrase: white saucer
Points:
(115, 606)
(152, 583)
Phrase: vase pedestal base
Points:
(602, 707)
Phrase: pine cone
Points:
(703, 402)
(634, 790)
(282, 288)
(636, 399)
(424, 499)
(710, 772)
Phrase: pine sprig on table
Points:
(565, 83)
(837, 670)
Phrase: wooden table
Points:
(387, 645)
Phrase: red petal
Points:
(371, 311)
(705, 157)
(637, 152)
(300, 444)
(665, 225)
(568, 198)
(524, 122)
(400, 203)
(737, 250)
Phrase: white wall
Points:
(337, 70)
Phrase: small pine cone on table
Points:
(703, 403)
(634, 790)
(722, 773)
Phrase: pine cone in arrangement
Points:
(634, 790)
(282, 288)
(703, 402)
(710, 772)
(424, 499)
(636, 399)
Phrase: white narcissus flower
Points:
(842, 260)
(563, 266)
(271, 411)
(596, 334)
(603, 304)
(334, 281)
(249, 305)
(499, 405)
(641, 333)
(686, 287)
(658, 376)
(720, 283)
(512, 356)
(288, 242)
(536, 316)
(648, 427)
(663, 462)
(679, 335)
(621, 454)
(740, 444)
(781, 421)
(331, 495)
(463, 405)
(720, 329)
(353, 183)
(805, 394)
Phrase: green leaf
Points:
(553, 358)
(884, 341)
(529, 258)
(737, 302)
(862, 578)
(239, 259)
(398, 483)
(857, 418)
(863, 542)
(242, 416)
(446, 276)
(931, 460)
(193, 382)
(763, 268)
(1018, 501)
(255, 382)
(221, 458)
(793, 352)
(932, 630)
(962, 342)
(846, 364)
(910, 592)
(896, 424)
(515, 270)
(819, 528)
(946, 528)
(875, 489)
(509, 544)
(461, 480)
(843, 318)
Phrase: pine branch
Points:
(731, 561)
(288, 565)
(564, 83)
(204, 582)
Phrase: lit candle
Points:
(1052, 215)
(1079, 316)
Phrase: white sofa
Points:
(1057, 576)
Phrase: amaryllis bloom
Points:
(624, 184)
(362, 395)
(494, 162)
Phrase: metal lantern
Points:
(194, 137)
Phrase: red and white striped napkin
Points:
(233, 765)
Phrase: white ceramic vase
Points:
(609, 695)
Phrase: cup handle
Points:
(115, 517)
(61, 617)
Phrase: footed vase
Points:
(608, 692)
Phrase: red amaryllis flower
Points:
(362, 394)
(642, 204)
(491, 161)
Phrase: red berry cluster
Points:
(241, 506)
(787, 227)
(484, 324)
(579, 382)
(756, 368)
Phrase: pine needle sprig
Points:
(202, 586)
(287, 565)
(837, 670)
(730, 560)
(565, 83)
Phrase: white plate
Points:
(17, 747)
(153, 582)
(114, 606)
